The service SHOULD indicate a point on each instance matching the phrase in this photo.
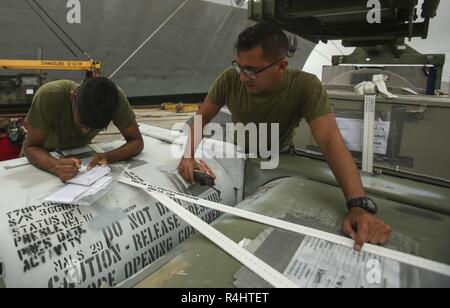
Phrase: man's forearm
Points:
(195, 138)
(203, 117)
(125, 152)
(40, 158)
(344, 168)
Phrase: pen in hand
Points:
(66, 168)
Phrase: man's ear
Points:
(73, 96)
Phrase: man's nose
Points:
(244, 77)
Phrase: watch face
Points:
(371, 205)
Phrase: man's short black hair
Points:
(97, 102)
(267, 35)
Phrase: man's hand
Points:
(187, 167)
(98, 160)
(67, 168)
(363, 227)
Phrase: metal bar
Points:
(49, 65)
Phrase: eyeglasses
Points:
(251, 73)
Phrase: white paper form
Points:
(97, 186)
(352, 131)
(85, 184)
(87, 178)
(321, 264)
(68, 194)
(72, 193)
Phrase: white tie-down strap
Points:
(130, 178)
(369, 90)
(369, 132)
(380, 81)
(262, 269)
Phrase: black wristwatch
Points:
(364, 203)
